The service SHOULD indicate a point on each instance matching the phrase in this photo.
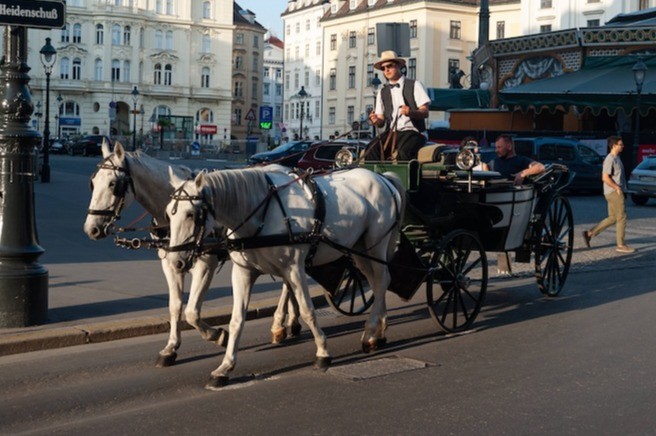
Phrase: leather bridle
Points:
(122, 184)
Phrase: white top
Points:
(404, 122)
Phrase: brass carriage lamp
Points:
(48, 58)
(639, 73)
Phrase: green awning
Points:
(603, 83)
(445, 99)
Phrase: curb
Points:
(59, 337)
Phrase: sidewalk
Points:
(98, 292)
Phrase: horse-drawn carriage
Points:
(453, 217)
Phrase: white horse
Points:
(271, 217)
(122, 177)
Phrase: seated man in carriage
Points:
(509, 164)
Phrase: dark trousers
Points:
(407, 145)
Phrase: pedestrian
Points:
(509, 164)
(614, 182)
(514, 167)
(401, 108)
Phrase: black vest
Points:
(409, 99)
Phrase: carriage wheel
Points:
(459, 266)
(553, 247)
(353, 295)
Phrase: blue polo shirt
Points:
(510, 166)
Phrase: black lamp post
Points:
(60, 100)
(375, 83)
(302, 95)
(135, 98)
(639, 72)
(48, 58)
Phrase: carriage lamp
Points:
(135, 98)
(639, 72)
(344, 158)
(48, 58)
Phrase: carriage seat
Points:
(431, 153)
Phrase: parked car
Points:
(322, 155)
(578, 157)
(642, 182)
(57, 147)
(285, 154)
(90, 145)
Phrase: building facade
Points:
(272, 87)
(169, 50)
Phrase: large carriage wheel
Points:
(353, 295)
(459, 266)
(553, 247)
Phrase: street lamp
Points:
(375, 83)
(302, 95)
(48, 58)
(135, 98)
(60, 100)
(639, 72)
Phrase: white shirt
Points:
(404, 122)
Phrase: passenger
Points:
(614, 182)
(509, 164)
(402, 106)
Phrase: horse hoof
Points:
(164, 361)
(295, 330)
(222, 340)
(278, 336)
(216, 383)
(373, 345)
(323, 363)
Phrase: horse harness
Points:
(197, 247)
(119, 191)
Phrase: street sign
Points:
(250, 116)
(266, 117)
(35, 13)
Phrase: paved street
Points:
(577, 364)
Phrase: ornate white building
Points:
(176, 53)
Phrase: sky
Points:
(267, 13)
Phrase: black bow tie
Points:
(396, 85)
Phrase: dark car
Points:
(642, 182)
(578, 157)
(322, 155)
(90, 145)
(287, 154)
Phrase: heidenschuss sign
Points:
(45, 14)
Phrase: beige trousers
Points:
(616, 215)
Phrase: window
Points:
(307, 79)
(331, 115)
(350, 114)
(501, 29)
(278, 89)
(77, 33)
(159, 39)
(169, 7)
(332, 84)
(207, 10)
(370, 73)
(351, 77)
(168, 74)
(454, 31)
(277, 112)
(65, 34)
(307, 24)
(205, 77)
(239, 62)
(116, 34)
(371, 36)
(287, 29)
(544, 4)
(254, 89)
(352, 41)
(317, 78)
(205, 115)
(237, 116)
(98, 70)
(126, 71)
(296, 80)
(64, 68)
(116, 70)
(545, 28)
(77, 68)
(333, 41)
(413, 28)
(141, 37)
(266, 89)
(256, 41)
(239, 39)
(266, 72)
(318, 50)
(169, 40)
(206, 44)
(353, 4)
(158, 6)
(454, 66)
(100, 34)
(157, 78)
(297, 54)
(298, 27)
(287, 81)
(317, 108)
(126, 35)
(239, 89)
(412, 68)
(256, 62)
(278, 73)
(307, 51)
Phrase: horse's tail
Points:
(400, 202)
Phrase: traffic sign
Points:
(35, 13)
(250, 116)
(266, 117)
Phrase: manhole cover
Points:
(376, 368)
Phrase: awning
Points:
(445, 99)
(602, 83)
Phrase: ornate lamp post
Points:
(135, 98)
(23, 281)
(639, 72)
(375, 84)
(302, 96)
(48, 58)
(60, 100)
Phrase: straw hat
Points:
(389, 56)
